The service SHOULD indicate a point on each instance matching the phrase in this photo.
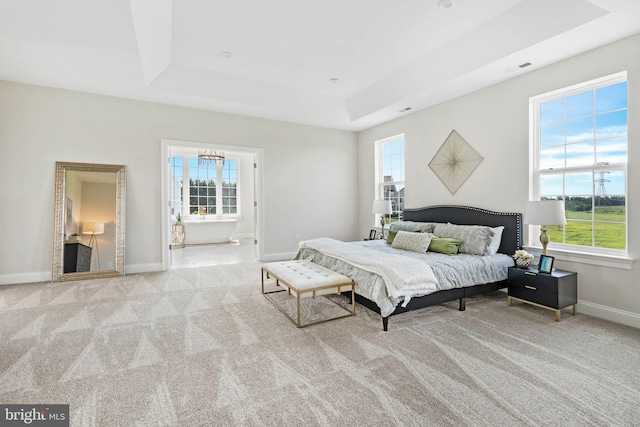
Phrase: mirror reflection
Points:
(89, 221)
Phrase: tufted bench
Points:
(303, 279)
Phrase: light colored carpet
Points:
(202, 346)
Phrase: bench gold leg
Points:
(353, 300)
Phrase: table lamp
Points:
(544, 213)
(93, 228)
(382, 207)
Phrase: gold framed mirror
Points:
(89, 221)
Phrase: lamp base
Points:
(544, 239)
(382, 227)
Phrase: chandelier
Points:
(208, 157)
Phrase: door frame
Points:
(165, 219)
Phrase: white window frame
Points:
(587, 254)
(186, 203)
(379, 170)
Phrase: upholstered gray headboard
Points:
(467, 215)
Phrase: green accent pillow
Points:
(445, 245)
(391, 234)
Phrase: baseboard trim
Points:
(282, 256)
(237, 236)
(21, 278)
(142, 268)
(608, 313)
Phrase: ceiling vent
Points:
(518, 67)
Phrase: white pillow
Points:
(493, 247)
(412, 241)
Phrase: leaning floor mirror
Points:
(89, 221)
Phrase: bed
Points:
(390, 281)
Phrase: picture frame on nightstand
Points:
(546, 264)
(373, 234)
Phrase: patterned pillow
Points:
(475, 238)
(411, 241)
(421, 227)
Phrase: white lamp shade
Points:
(381, 207)
(93, 228)
(545, 212)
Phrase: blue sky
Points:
(393, 152)
(583, 130)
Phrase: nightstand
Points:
(553, 291)
(77, 257)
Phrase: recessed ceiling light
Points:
(227, 54)
(445, 4)
(334, 80)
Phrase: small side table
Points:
(553, 291)
(177, 236)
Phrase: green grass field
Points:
(608, 234)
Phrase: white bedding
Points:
(403, 276)
(450, 271)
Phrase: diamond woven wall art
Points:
(454, 161)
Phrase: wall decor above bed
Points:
(455, 161)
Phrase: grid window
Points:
(390, 175)
(580, 145)
(202, 187)
(213, 187)
(229, 185)
(176, 201)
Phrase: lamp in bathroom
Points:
(382, 207)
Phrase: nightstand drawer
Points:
(529, 277)
(537, 295)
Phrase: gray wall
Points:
(309, 187)
(495, 121)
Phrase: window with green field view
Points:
(212, 186)
(390, 175)
(580, 145)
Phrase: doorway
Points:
(212, 210)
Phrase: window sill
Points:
(623, 263)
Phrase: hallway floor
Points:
(236, 251)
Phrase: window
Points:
(579, 148)
(176, 199)
(390, 174)
(202, 187)
(212, 189)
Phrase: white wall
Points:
(245, 183)
(495, 122)
(310, 177)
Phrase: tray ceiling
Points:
(280, 59)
